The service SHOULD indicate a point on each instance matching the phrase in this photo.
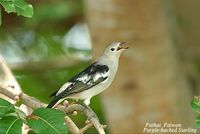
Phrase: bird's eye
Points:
(112, 49)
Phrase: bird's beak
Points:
(122, 46)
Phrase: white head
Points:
(115, 49)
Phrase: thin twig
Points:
(86, 127)
(88, 112)
(71, 125)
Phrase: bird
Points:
(93, 79)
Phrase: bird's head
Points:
(115, 49)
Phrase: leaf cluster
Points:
(20, 7)
(42, 120)
(195, 104)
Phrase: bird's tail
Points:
(53, 102)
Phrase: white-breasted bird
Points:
(93, 79)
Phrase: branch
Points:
(11, 83)
(35, 103)
(26, 99)
(8, 77)
(31, 102)
(71, 125)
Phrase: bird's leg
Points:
(87, 101)
(85, 104)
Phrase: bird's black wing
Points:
(89, 77)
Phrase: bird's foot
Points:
(93, 116)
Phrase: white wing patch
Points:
(85, 78)
(63, 88)
(100, 75)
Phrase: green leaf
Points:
(20, 114)
(18, 6)
(6, 107)
(44, 120)
(195, 105)
(10, 125)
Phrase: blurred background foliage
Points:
(37, 47)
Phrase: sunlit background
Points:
(155, 85)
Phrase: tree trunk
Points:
(150, 85)
(187, 19)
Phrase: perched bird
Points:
(93, 79)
